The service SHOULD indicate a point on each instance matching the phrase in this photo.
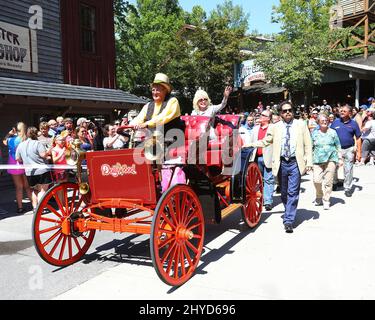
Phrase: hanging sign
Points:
(248, 72)
(18, 48)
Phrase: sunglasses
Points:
(264, 115)
(201, 100)
(287, 110)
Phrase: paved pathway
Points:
(330, 255)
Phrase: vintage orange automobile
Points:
(70, 213)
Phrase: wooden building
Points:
(57, 57)
(351, 80)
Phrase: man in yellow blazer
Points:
(292, 157)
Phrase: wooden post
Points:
(357, 91)
(366, 35)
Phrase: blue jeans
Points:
(268, 181)
(290, 180)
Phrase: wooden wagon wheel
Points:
(253, 200)
(177, 235)
(55, 244)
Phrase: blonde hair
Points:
(21, 128)
(200, 94)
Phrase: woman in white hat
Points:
(202, 103)
(202, 106)
(162, 109)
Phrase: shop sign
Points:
(248, 72)
(18, 48)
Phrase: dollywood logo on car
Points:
(117, 170)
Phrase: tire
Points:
(177, 235)
(54, 246)
(253, 196)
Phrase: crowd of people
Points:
(290, 141)
(38, 148)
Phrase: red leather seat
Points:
(195, 127)
(224, 133)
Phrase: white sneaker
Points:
(326, 205)
(318, 202)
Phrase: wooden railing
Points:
(354, 7)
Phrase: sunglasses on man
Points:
(286, 110)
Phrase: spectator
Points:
(81, 134)
(275, 118)
(264, 158)
(69, 131)
(359, 119)
(370, 101)
(368, 136)
(60, 124)
(326, 150)
(58, 158)
(349, 133)
(113, 140)
(260, 107)
(325, 107)
(98, 136)
(89, 126)
(312, 121)
(331, 118)
(83, 122)
(292, 156)
(250, 123)
(125, 121)
(32, 152)
(44, 137)
(12, 141)
(52, 128)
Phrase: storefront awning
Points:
(264, 88)
(47, 90)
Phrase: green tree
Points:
(152, 36)
(214, 47)
(300, 52)
(145, 37)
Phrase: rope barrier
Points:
(40, 166)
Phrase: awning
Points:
(48, 90)
(264, 88)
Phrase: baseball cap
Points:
(82, 120)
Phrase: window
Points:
(88, 29)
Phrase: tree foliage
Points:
(145, 38)
(151, 38)
(300, 52)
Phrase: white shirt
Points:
(293, 138)
(118, 144)
(369, 134)
(211, 110)
(245, 135)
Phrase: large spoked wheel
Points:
(54, 236)
(253, 203)
(177, 235)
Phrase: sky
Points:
(260, 12)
